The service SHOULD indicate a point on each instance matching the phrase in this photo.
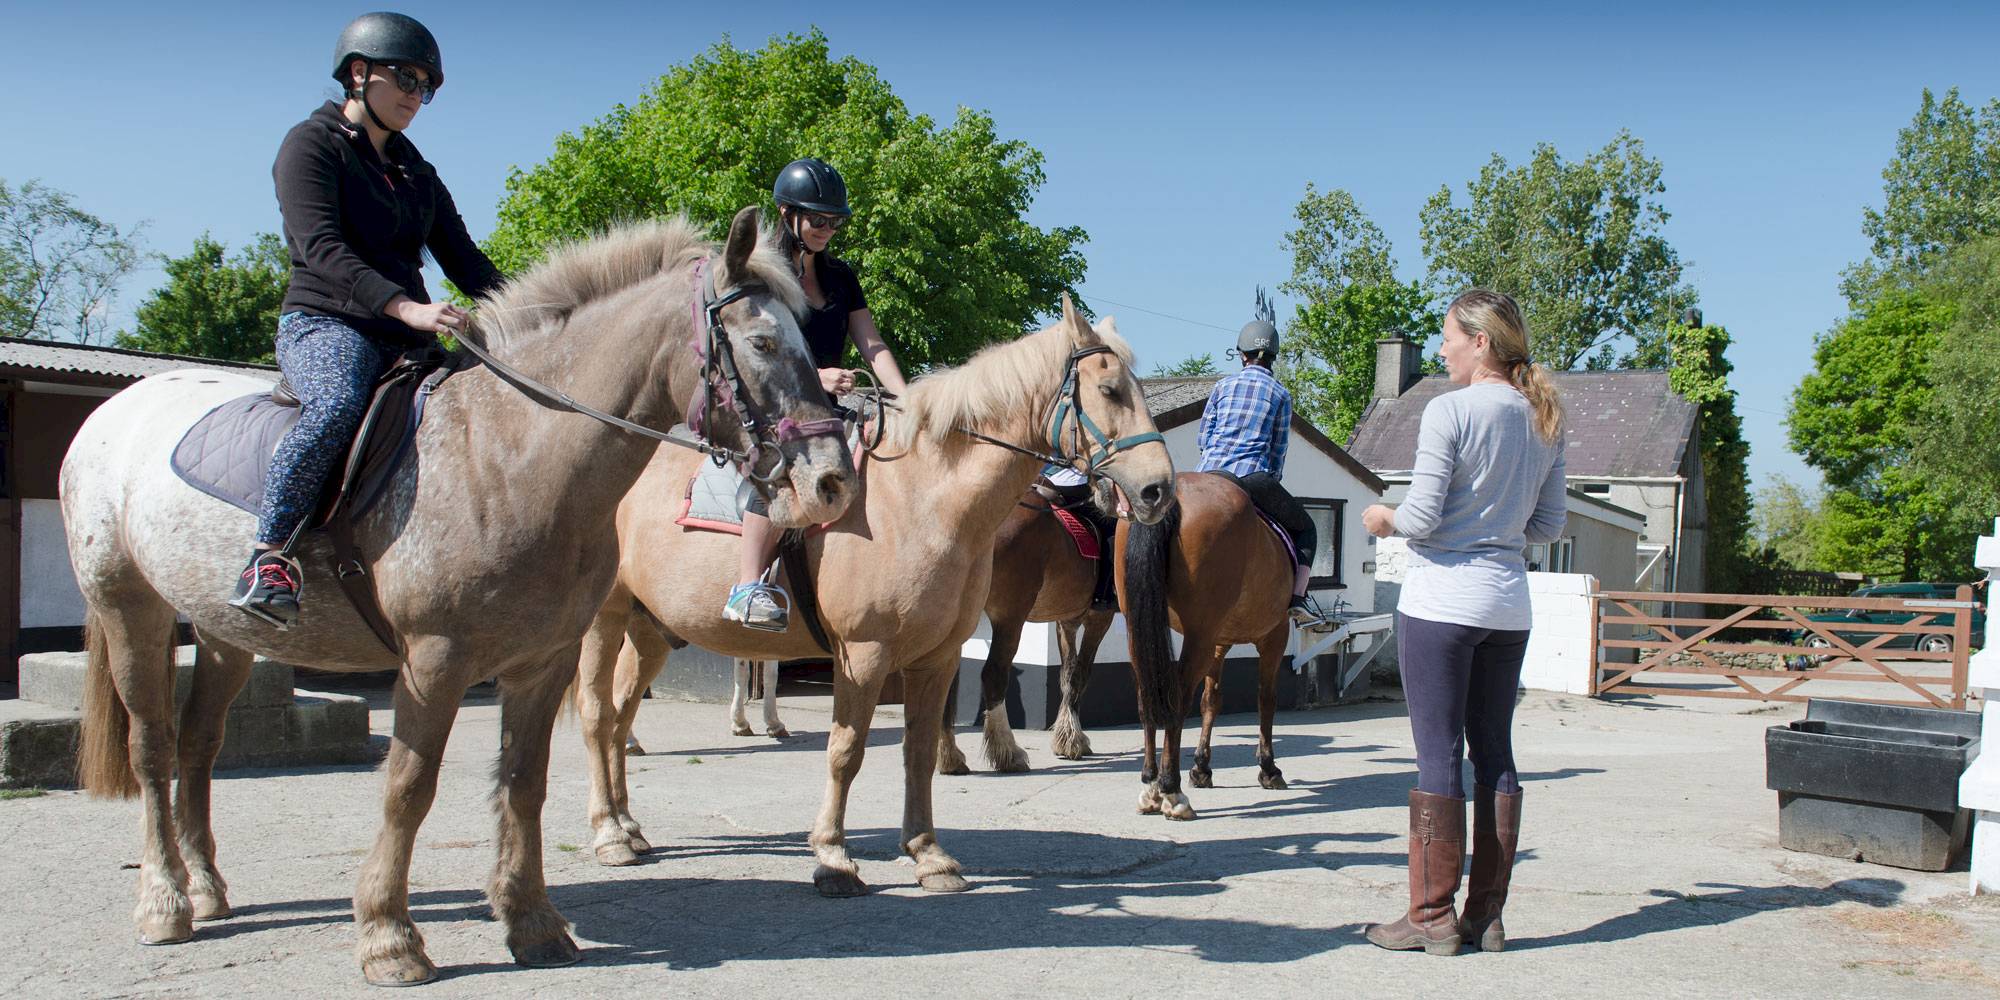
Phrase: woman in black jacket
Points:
(360, 207)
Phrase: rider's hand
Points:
(428, 318)
(836, 380)
(1380, 520)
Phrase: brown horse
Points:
(1219, 576)
(1038, 576)
(490, 552)
(901, 578)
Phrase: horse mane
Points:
(1009, 380)
(581, 271)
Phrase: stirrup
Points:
(1305, 612)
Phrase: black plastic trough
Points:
(1872, 783)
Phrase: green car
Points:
(1929, 642)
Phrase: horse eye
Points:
(1110, 391)
(763, 344)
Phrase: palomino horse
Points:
(1038, 576)
(490, 551)
(901, 577)
(1220, 576)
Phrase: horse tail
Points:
(1148, 550)
(103, 759)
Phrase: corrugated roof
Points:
(1164, 395)
(1620, 424)
(110, 362)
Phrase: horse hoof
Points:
(1201, 779)
(953, 767)
(411, 970)
(172, 928)
(1012, 763)
(617, 854)
(1149, 803)
(836, 884)
(1177, 808)
(742, 729)
(554, 953)
(638, 844)
(633, 749)
(1272, 780)
(778, 733)
(209, 907)
(944, 882)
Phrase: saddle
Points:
(227, 453)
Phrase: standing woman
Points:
(360, 207)
(1488, 481)
(812, 205)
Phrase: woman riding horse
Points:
(360, 206)
(812, 204)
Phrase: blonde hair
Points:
(1498, 316)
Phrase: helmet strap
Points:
(368, 70)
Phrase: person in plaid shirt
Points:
(1244, 432)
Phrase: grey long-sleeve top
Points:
(1484, 486)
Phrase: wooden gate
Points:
(1766, 647)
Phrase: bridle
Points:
(1065, 410)
(722, 388)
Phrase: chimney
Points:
(1398, 362)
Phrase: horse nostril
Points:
(831, 487)
(1151, 495)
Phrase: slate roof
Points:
(1621, 424)
(107, 363)
(1175, 401)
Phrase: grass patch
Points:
(567, 848)
(694, 760)
(35, 792)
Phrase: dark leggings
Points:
(1460, 683)
(1271, 497)
(333, 370)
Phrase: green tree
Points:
(1579, 245)
(1329, 349)
(1700, 375)
(1343, 269)
(1940, 190)
(1786, 516)
(1854, 418)
(59, 265)
(216, 307)
(1189, 367)
(1957, 426)
(945, 256)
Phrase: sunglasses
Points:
(821, 220)
(409, 82)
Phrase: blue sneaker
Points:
(756, 605)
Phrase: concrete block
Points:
(37, 746)
(696, 674)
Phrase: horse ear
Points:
(1109, 326)
(1079, 330)
(743, 233)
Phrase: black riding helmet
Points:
(812, 185)
(384, 37)
(1258, 337)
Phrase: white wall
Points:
(1559, 644)
(49, 597)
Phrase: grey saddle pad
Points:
(713, 500)
(226, 453)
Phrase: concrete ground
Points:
(1649, 866)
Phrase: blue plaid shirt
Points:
(1247, 424)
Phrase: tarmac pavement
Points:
(1649, 866)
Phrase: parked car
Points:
(1929, 642)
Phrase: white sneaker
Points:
(754, 605)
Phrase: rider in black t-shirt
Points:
(812, 204)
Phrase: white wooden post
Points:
(1979, 789)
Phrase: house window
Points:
(1328, 516)
(1558, 556)
(1597, 488)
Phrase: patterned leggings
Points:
(332, 368)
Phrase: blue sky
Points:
(1179, 136)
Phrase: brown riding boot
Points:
(1496, 831)
(1437, 854)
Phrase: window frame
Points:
(1335, 536)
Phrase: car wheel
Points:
(1935, 644)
